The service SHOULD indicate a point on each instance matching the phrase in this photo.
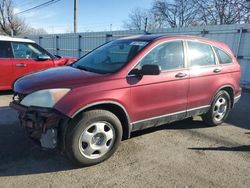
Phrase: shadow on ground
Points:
(6, 92)
(20, 156)
(184, 124)
(239, 115)
(243, 148)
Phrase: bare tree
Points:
(176, 13)
(38, 31)
(141, 19)
(219, 12)
(9, 22)
(136, 19)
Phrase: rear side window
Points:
(223, 57)
(200, 54)
(6, 51)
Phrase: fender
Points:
(227, 85)
(129, 125)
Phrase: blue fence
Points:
(78, 44)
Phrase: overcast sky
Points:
(94, 15)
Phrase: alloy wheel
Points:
(96, 140)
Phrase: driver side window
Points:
(25, 50)
(168, 56)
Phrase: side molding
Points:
(168, 118)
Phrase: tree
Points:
(183, 13)
(141, 19)
(219, 12)
(136, 19)
(176, 13)
(10, 23)
(38, 31)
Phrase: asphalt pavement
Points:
(183, 154)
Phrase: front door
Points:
(26, 59)
(159, 99)
(6, 66)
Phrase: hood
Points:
(59, 77)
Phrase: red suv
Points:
(124, 86)
(22, 56)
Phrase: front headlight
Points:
(44, 98)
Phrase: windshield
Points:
(110, 57)
(43, 51)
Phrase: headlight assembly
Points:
(44, 98)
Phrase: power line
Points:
(27, 2)
(39, 6)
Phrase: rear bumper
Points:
(40, 123)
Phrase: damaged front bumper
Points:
(41, 123)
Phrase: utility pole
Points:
(75, 15)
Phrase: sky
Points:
(93, 15)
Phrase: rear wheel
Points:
(93, 138)
(219, 109)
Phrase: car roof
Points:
(12, 39)
(146, 37)
(153, 37)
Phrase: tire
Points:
(219, 109)
(93, 137)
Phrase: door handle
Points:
(180, 75)
(21, 65)
(217, 70)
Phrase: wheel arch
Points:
(114, 107)
(230, 90)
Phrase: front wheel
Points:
(93, 138)
(219, 109)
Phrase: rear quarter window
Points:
(223, 57)
(6, 50)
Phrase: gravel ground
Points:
(183, 154)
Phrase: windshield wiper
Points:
(83, 68)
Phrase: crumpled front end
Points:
(41, 123)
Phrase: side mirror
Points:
(150, 69)
(43, 57)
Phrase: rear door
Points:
(26, 59)
(204, 76)
(6, 66)
(158, 99)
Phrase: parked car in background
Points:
(19, 57)
(123, 86)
